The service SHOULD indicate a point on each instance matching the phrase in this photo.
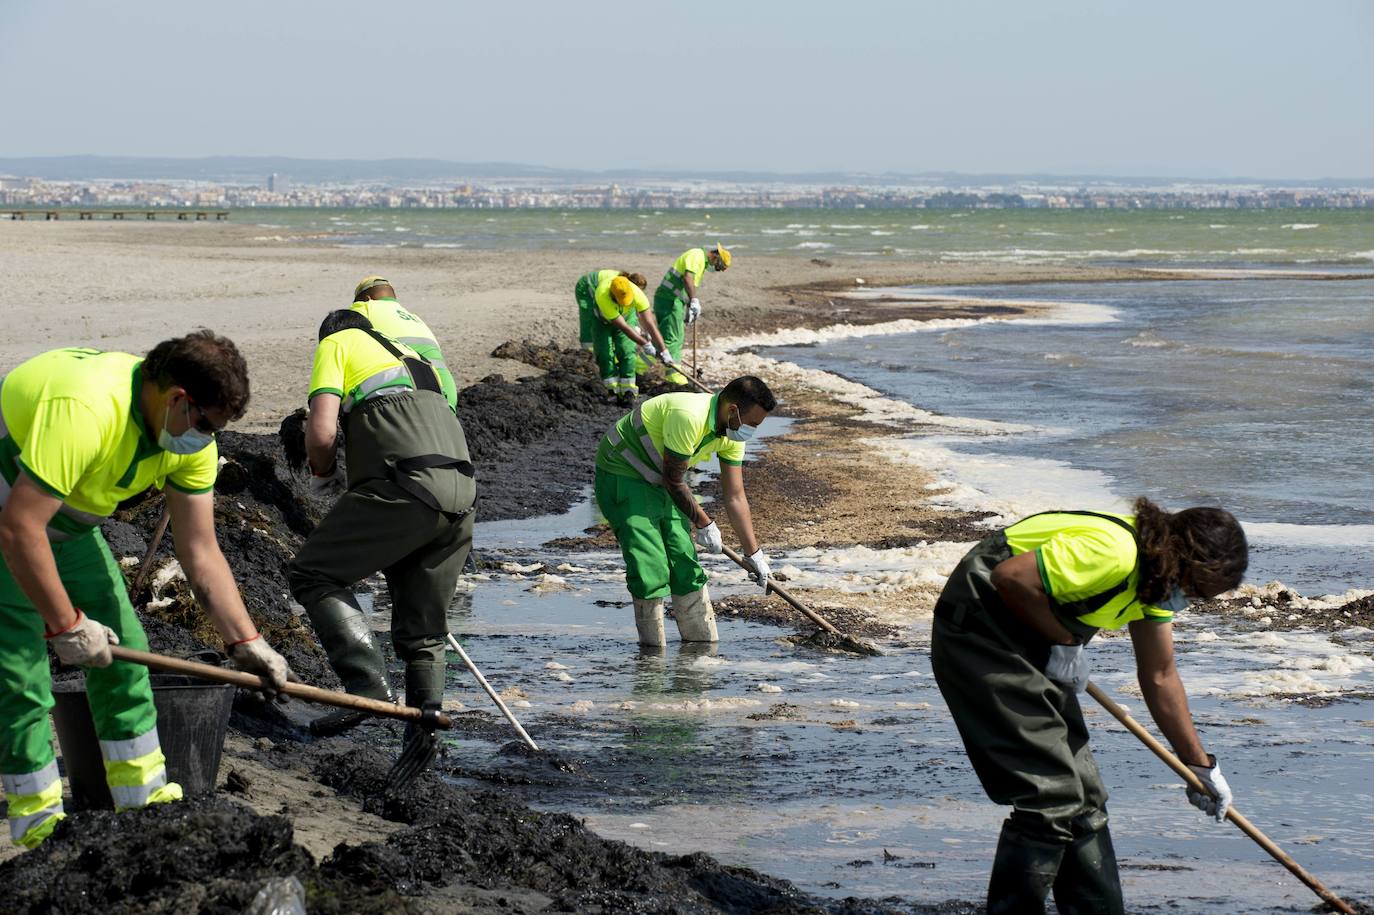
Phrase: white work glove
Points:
(1216, 783)
(665, 357)
(693, 311)
(329, 483)
(85, 643)
(1068, 666)
(255, 656)
(760, 563)
(648, 347)
(708, 538)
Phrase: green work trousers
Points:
(586, 312)
(671, 314)
(379, 525)
(1024, 733)
(615, 355)
(655, 537)
(120, 695)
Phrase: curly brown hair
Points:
(638, 279)
(1202, 550)
(208, 366)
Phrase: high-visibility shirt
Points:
(391, 320)
(354, 365)
(681, 424)
(607, 307)
(692, 263)
(593, 279)
(1087, 558)
(70, 420)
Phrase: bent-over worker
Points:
(407, 510)
(1008, 650)
(375, 299)
(617, 304)
(80, 431)
(676, 301)
(641, 488)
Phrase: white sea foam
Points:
(1350, 536)
(813, 245)
(1298, 226)
(437, 244)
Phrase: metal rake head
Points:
(420, 747)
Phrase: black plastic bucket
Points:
(192, 716)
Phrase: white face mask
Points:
(188, 442)
(1175, 602)
(743, 434)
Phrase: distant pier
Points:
(183, 215)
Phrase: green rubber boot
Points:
(353, 653)
(1088, 881)
(1023, 872)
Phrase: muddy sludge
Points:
(207, 855)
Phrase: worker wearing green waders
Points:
(375, 299)
(676, 302)
(616, 304)
(1009, 652)
(584, 293)
(80, 431)
(641, 488)
(407, 511)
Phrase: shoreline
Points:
(787, 483)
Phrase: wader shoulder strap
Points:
(422, 374)
(1099, 600)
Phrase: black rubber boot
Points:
(353, 653)
(425, 681)
(1088, 881)
(1022, 873)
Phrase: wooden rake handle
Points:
(1232, 814)
(251, 681)
(778, 589)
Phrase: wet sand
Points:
(825, 483)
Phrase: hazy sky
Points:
(1198, 88)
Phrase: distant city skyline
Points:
(1221, 90)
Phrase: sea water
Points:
(1288, 238)
(1252, 394)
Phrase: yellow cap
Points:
(367, 283)
(724, 255)
(622, 291)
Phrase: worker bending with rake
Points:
(641, 488)
(617, 301)
(677, 301)
(375, 299)
(81, 430)
(1009, 652)
(406, 510)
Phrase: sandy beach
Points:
(126, 286)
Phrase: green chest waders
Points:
(408, 513)
(1027, 741)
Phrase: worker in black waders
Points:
(1008, 650)
(407, 511)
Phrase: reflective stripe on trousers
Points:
(35, 804)
(618, 443)
(136, 771)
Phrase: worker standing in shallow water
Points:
(641, 488)
(1008, 650)
(80, 431)
(677, 301)
(375, 299)
(616, 303)
(407, 511)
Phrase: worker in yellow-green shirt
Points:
(1009, 652)
(617, 304)
(375, 299)
(405, 509)
(584, 293)
(677, 301)
(81, 430)
(641, 488)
